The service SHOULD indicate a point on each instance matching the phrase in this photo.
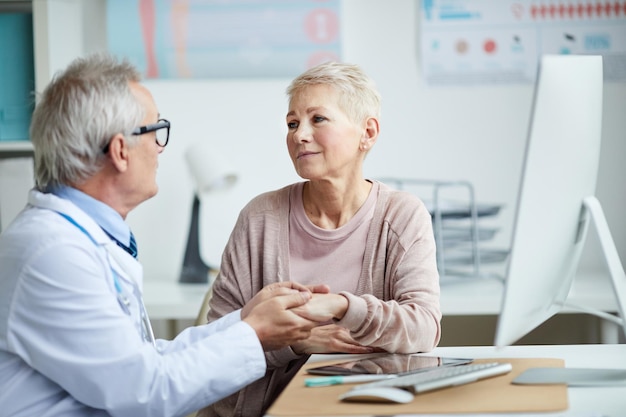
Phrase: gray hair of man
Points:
(78, 113)
(358, 96)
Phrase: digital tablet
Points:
(391, 363)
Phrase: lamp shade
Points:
(209, 170)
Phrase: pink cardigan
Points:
(395, 306)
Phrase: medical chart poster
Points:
(224, 38)
(464, 42)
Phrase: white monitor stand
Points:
(556, 200)
(590, 377)
(593, 209)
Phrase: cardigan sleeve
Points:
(406, 316)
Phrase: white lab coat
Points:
(68, 348)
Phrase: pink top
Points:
(333, 257)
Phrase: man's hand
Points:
(280, 288)
(269, 314)
(329, 339)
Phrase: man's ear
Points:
(370, 133)
(118, 152)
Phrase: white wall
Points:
(470, 133)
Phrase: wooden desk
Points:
(583, 401)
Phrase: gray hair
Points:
(358, 95)
(78, 113)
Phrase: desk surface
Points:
(583, 401)
(168, 299)
(484, 296)
(171, 300)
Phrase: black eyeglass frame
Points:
(141, 130)
(160, 124)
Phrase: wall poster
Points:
(224, 38)
(501, 41)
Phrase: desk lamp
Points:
(210, 172)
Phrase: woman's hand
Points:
(323, 307)
(329, 339)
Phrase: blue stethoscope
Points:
(122, 298)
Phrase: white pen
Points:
(344, 379)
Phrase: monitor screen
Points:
(559, 171)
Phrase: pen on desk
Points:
(325, 381)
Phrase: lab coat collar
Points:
(126, 266)
(52, 202)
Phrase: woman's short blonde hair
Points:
(358, 95)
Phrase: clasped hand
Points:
(290, 314)
(272, 316)
(327, 338)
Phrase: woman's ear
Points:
(118, 152)
(370, 133)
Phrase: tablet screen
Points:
(392, 363)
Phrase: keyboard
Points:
(442, 377)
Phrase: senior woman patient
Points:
(372, 245)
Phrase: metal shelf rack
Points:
(456, 225)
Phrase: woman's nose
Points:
(302, 133)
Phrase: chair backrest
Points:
(204, 308)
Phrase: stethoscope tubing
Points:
(123, 300)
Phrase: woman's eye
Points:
(318, 119)
(292, 125)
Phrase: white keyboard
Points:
(442, 377)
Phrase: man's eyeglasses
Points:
(161, 127)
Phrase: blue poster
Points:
(224, 39)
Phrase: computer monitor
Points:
(556, 195)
